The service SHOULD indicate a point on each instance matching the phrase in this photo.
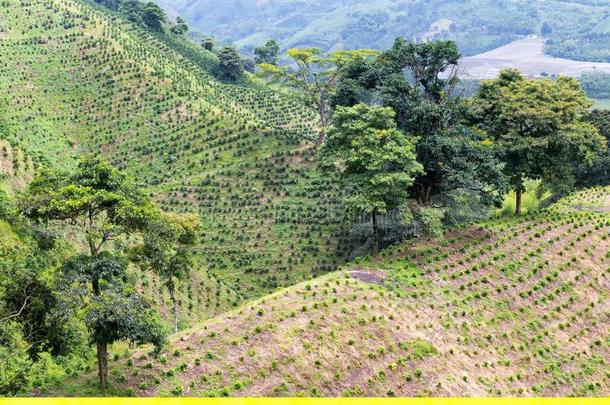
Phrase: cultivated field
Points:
(510, 307)
(528, 56)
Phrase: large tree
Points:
(230, 64)
(180, 28)
(100, 208)
(538, 124)
(153, 16)
(375, 160)
(208, 43)
(267, 53)
(132, 9)
(417, 81)
(315, 77)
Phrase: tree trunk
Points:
(375, 233)
(321, 137)
(423, 194)
(102, 348)
(324, 121)
(518, 202)
(174, 304)
(102, 363)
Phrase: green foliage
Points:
(15, 363)
(315, 77)
(375, 160)
(425, 61)
(454, 156)
(96, 195)
(180, 28)
(420, 348)
(267, 53)
(33, 331)
(372, 155)
(208, 43)
(596, 84)
(105, 207)
(6, 206)
(153, 16)
(147, 14)
(230, 65)
(538, 125)
(598, 172)
(530, 200)
(432, 220)
(168, 250)
(124, 315)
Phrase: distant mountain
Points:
(577, 29)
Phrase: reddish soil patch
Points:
(368, 277)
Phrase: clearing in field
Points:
(528, 56)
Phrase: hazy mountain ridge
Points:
(576, 29)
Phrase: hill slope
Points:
(511, 307)
(75, 78)
(577, 29)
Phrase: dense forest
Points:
(180, 219)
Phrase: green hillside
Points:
(75, 78)
(189, 232)
(509, 307)
(576, 29)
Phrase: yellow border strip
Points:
(306, 401)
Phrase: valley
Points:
(576, 30)
(369, 218)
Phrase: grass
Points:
(530, 200)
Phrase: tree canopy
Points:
(267, 53)
(538, 125)
(180, 27)
(230, 65)
(375, 160)
(315, 77)
(417, 81)
(100, 205)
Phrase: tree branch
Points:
(25, 303)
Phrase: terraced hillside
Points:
(75, 78)
(510, 307)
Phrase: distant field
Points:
(528, 56)
(603, 104)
